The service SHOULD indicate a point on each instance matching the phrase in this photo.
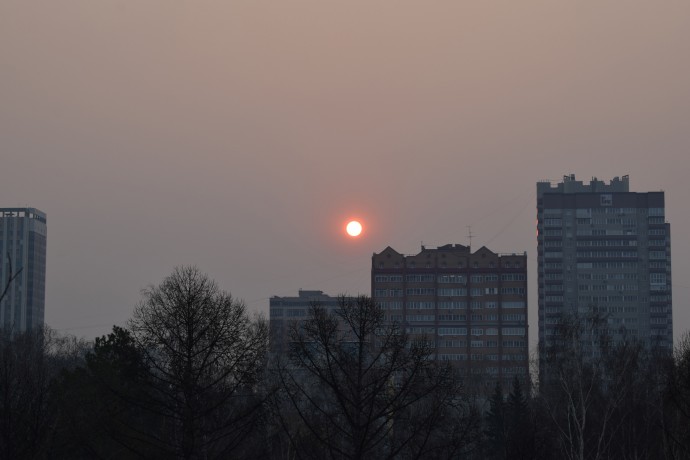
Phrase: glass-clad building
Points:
(23, 250)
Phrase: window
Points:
(449, 292)
(513, 304)
(454, 305)
(513, 331)
(452, 331)
(392, 305)
(511, 357)
(452, 357)
(419, 318)
(420, 305)
(445, 279)
(388, 278)
(452, 317)
(426, 278)
(513, 317)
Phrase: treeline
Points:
(191, 377)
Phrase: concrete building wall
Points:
(603, 247)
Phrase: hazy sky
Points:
(241, 135)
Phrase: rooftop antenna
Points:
(469, 236)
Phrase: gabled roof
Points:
(388, 251)
(484, 250)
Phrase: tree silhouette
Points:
(204, 357)
(355, 387)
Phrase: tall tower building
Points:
(23, 251)
(604, 248)
(471, 306)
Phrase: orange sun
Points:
(354, 228)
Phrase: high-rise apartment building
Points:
(603, 248)
(471, 306)
(23, 250)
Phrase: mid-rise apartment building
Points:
(286, 310)
(604, 248)
(471, 306)
(23, 252)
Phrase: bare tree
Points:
(11, 276)
(29, 364)
(592, 390)
(677, 396)
(205, 357)
(355, 387)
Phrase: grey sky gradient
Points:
(241, 135)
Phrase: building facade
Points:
(285, 310)
(603, 248)
(472, 306)
(23, 250)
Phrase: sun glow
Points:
(354, 228)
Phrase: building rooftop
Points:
(571, 185)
